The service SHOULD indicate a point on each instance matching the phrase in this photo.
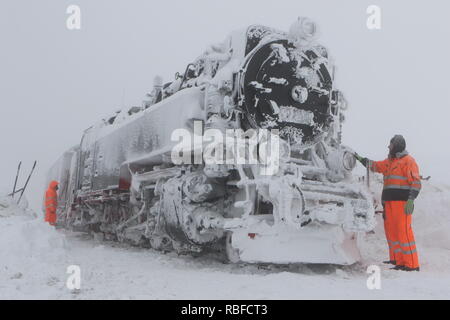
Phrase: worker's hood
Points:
(402, 154)
(398, 147)
(53, 184)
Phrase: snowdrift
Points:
(26, 238)
(9, 206)
(432, 219)
(30, 250)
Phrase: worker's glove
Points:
(363, 161)
(409, 207)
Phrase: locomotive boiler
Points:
(126, 180)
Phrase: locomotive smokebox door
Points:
(288, 88)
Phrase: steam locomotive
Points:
(122, 181)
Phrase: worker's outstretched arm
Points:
(376, 166)
(364, 161)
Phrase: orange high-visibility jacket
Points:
(401, 178)
(51, 202)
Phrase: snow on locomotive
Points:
(122, 180)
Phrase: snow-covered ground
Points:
(34, 259)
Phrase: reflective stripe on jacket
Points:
(401, 178)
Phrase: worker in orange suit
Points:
(51, 203)
(401, 187)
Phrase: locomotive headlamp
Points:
(309, 28)
(303, 29)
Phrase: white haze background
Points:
(54, 83)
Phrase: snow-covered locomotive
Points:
(122, 180)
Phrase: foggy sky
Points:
(54, 83)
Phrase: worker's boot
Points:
(393, 262)
(398, 268)
(411, 269)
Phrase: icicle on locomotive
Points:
(121, 180)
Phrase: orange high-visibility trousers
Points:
(391, 236)
(399, 234)
(50, 218)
